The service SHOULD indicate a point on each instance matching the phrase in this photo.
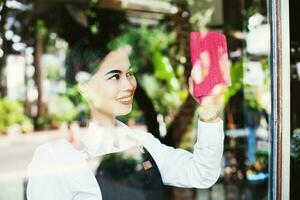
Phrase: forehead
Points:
(117, 59)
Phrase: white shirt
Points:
(59, 171)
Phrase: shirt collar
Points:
(99, 141)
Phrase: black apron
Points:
(130, 175)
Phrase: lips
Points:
(127, 100)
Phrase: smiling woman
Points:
(134, 164)
(110, 90)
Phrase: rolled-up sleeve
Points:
(181, 168)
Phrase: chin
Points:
(124, 111)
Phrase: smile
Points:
(125, 100)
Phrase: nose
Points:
(128, 84)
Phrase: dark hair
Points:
(83, 56)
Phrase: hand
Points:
(209, 106)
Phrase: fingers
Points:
(216, 99)
(191, 87)
(196, 77)
(218, 89)
(208, 112)
(197, 73)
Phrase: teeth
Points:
(125, 99)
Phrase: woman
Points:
(134, 165)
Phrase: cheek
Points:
(107, 94)
(109, 90)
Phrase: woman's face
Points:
(110, 90)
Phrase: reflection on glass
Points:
(43, 62)
(245, 174)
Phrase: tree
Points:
(5, 47)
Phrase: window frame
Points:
(279, 160)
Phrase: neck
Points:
(102, 119)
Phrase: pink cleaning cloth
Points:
(209, 57)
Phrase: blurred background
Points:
(39, 98)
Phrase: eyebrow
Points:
(116, 71)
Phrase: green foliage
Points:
(53, 73)
(11, 113)
(200, 13)
(144, 42)
(44, 122)
(251, 93)
(66, 107)
(62, 109)
(164, 71)
(41, 28)
(82, 107)
(236, 73)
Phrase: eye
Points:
(129, 74)
(115, 77)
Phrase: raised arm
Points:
(199, 169)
